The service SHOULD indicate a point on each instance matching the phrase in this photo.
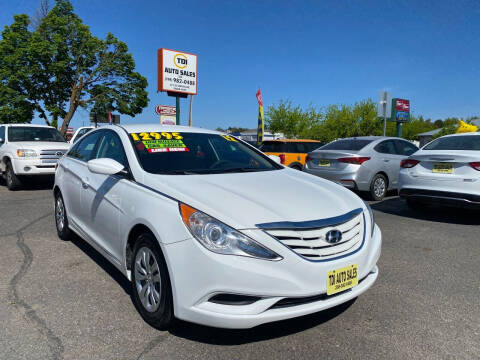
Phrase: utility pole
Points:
(190, 120)
(177, 105)
(384, 103)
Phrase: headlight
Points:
(372, 217)
(26, 153)
(220, 238)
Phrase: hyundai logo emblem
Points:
(333, 236)
(59, 153)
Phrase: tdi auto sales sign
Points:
(177, 72)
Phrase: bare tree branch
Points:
(40, 14)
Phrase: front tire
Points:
(151, 288)
(12, 180)
(61, 220)
(378, 187)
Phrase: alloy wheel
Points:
(59, 213)
(148, 282)
(379, 187)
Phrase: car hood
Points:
(243, 200)
(40, 145)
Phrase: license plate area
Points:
(443, 168)
(342, 279)
(324, 163)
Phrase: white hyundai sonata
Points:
(210, 230)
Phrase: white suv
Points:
(29, 150)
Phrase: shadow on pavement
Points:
(37, 183)
(102, 262)
(398, 206)
(216, 336)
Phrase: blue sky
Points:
(319, 52)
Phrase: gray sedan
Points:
(366, 163)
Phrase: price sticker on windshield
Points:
(145, 136)
(229, 138)
(159, 142)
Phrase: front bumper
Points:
(446, 198)
(33, 167)
(198, 274)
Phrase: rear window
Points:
(273, 146)
(347, 144)
(464, 142)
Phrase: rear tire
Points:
(61, 219)
(151, 288)
(12, 180)
(378, 187)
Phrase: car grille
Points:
(311, 243)
(51, 156)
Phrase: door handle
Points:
(386, 160)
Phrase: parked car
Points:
(366, 163)
(292, 152)
(193, 219)
(28, 150)
(446, 171)
(79, 133)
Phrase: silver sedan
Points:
(445, 171)
(366, 163)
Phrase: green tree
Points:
(67, 67)
(292, 121)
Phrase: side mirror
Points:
(1, 141)
(275, 158)
(105, 166)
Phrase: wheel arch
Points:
(296, 164)
(3, 164)
(381, 172)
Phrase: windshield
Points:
(29, 133)
(464, 142)
(346, 144)
(196, 153)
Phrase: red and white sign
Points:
(403, 105)
(177, 71)
(165, 110)
(70, 131)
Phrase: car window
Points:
(291, 147)
(302, 148)
(273, 146)
(111, 147)
(2, 134)
(463, 142)
(405, 148)
(187, 153)
(83, 149)
(347, 144)
(313, 146)
(80, 133)
(386, 147)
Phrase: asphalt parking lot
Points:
(62, 300)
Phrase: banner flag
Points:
(463, 127)
(260, 130)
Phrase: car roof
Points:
(462, 134)
(371, 138)
(30, 125)
(138, 128)
(292, 140)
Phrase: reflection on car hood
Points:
(40, 145)
(243, 200)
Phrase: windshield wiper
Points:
(177, 172)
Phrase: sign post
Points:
(400, 113)
(177, 75)
(384, 108)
